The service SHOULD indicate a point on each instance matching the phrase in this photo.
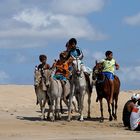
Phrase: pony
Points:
(56, 94)
(79, 88)
(41, 94)
(104, 91)
(54, 91)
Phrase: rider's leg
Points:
(63, 82)
(112, 90)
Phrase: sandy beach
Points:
(20, 119)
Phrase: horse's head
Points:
(47, 75)
(97, 71)
(77, 68)
(37, 77)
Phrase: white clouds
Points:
(51, 20)
(33, 17)
(133, 20)
(98, 55)
(76, 7)
(3, 77)
(130, 74)
(54, 25)
(20, 58)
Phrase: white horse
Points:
(55, 91)
(41, 94)
(79, 88)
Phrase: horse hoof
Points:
(114, 116)
(52, 120)
(62, 112)
(48, 118)
(88, 117)
(43, 118)
(101, 121)
(110, 119)
(68, 120)
(81, 119)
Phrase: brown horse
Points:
(103, 90)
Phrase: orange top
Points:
(63, 68)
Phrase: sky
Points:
(29, 28)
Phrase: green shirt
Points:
(109, 65)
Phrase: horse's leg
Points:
(74, 105)
(43, 109)
(70, 107)
(66, 100)
(53, 110)
(57, 107)
(70, 102)
(82, 105)
(101, 109)
(77, 96)
(37, 101)
(116, 106)
(89, 103)
(49, 111)
(112, 108)
(109, 110)
(50, 108)
(40, 104)
(61, 107)
(112, 91)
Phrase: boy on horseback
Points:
(108, 70)
(61, 65)
(43, 66)
(75, 52)
(43, 60)
(62, 70)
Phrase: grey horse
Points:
(54, 91)
(79, 88)
(41, 94)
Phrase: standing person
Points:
(129, 105)
(108, 70)
(135, 118)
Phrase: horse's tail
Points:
(88, 81)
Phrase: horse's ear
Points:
(96, 62)
(36, 69)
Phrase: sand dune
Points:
(20, 119)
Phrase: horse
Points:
(41, 94)
(104, 91)
(66, 92)
(79, 88)
(54, 91)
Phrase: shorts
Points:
(109, 75)
(59, 77)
